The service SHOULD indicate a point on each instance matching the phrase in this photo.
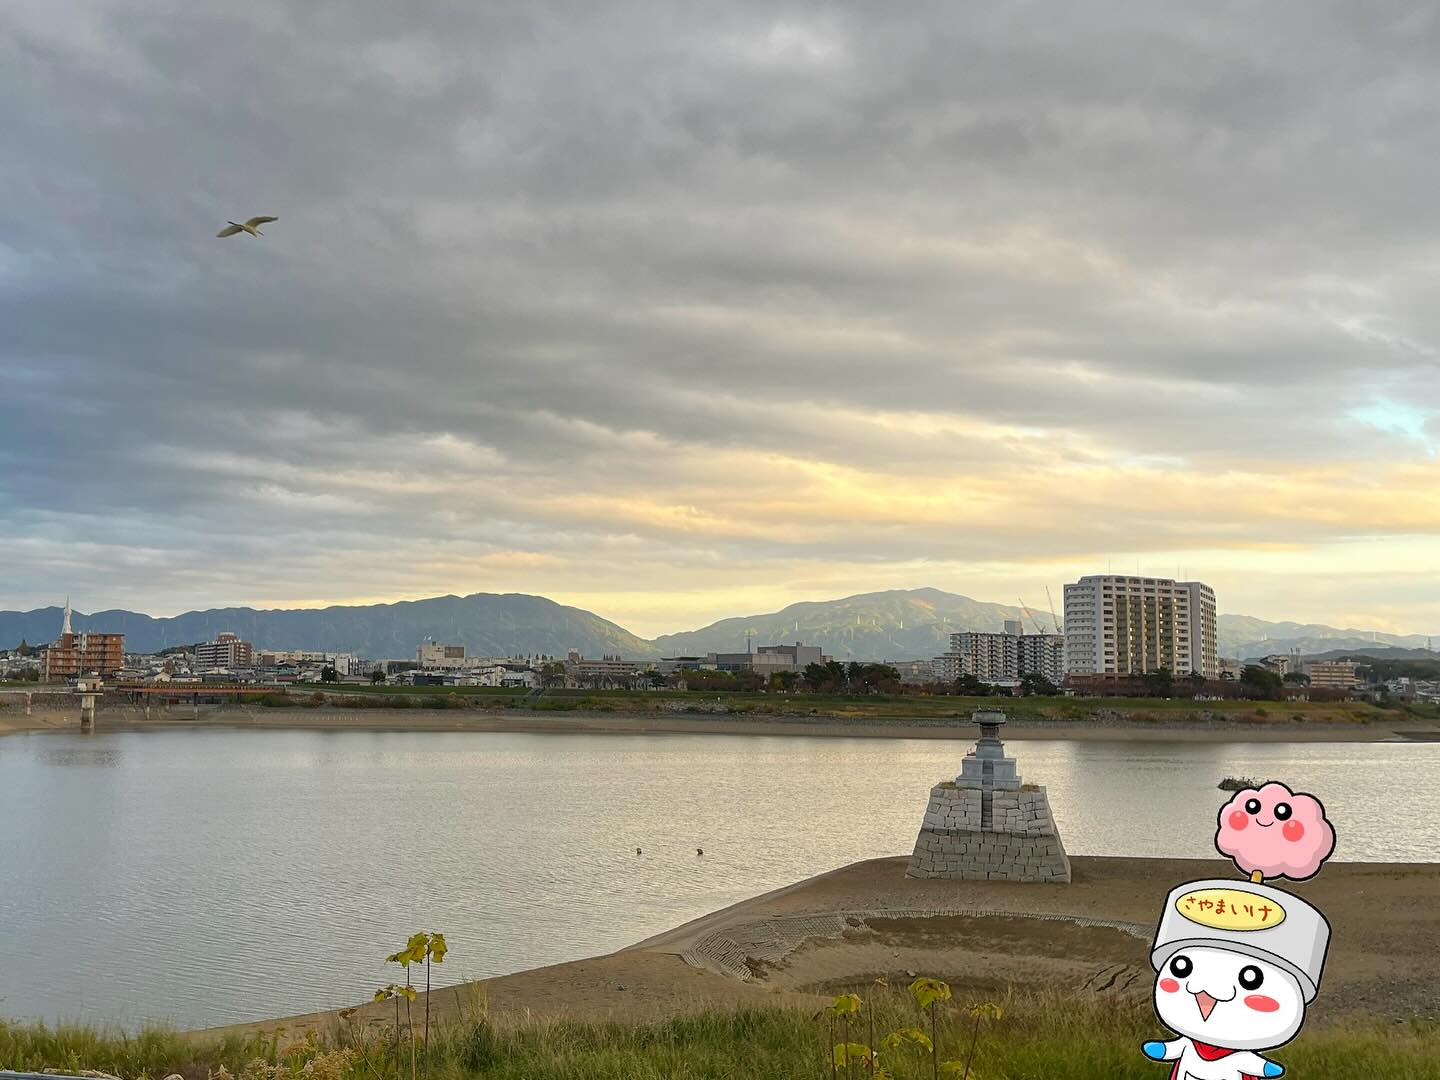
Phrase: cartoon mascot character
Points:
(1237, 962)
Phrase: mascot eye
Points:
(1283, 811)
(1181, 967)
(1250, 977)
(1252, 806)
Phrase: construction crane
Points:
(1058, 628)
(1031, 616)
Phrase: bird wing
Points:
(229, 230)
(259, 221)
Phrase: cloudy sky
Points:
(684, 310)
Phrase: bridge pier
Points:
(89, 691)
(27, 703)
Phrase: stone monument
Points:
(986, 825)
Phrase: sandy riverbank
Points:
(633, 723)
(801, 944)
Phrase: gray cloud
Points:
(584, 297)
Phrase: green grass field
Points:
(1037, 1038)
(899, 707)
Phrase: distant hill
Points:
(902, 624)
(1244, 637)
(487, 624)
(1376, 652)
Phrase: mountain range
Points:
(894, 625)
(487, 624)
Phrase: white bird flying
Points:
(248, 227)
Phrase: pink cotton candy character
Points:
(1275, 832)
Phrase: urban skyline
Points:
(1150, 639)
(1039, 619)
(1112, 624)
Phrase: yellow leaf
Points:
(844, 1004)
(438, 948)
(929, 991)
(408, 992)
(846, 1053)
(899, 1038)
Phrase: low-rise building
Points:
(432, 656)
(669, 665)
(226, 651)
(1339, 674)
(305, 665)
(767, 659)
(72, 655)
(583, 669)
(915, 672)
(1284, 664)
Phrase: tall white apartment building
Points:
(1002, 659)
(1042, 654)
(991, 658)
(1115, 624)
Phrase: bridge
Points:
(91, 690)
(187, 689)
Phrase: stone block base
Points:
(970, 835)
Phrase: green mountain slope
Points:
(1242, 637)
(901, 624)
(487, 624)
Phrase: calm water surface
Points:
(211, 876)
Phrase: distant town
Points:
(1121, 636)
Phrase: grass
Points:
(1077, 1039)
(369, 688)
(870, 707)
(899, 707)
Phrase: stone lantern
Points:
(986, 825)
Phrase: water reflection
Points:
(254, 845)
(82, 757)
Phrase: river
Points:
(209, 876)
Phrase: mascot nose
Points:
(1206, 1003)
